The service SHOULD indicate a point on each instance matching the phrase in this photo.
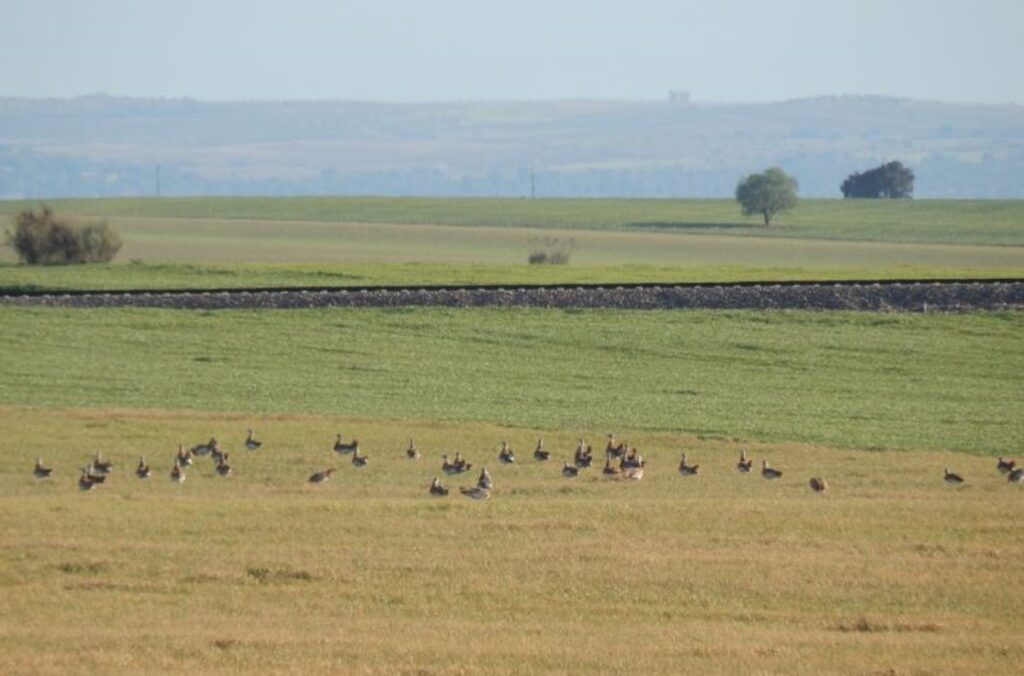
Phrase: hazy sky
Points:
(422, 50)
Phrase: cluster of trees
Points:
(892, 180)
(41, 238)
(774, 191)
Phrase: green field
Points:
(859, 380)
(309, 241)
(950, 221)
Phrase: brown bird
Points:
(540, 453)
(476, 493)
(1005, 465)
(85, 481)
(609, 469)
(340, 447)
(685, 469)
(818, 484)
(506, 454)
(41, 472)
(769, 472)
(321, 477)
(207, 448)
(437, 488)
(485, 479)
(184, 458)
(411, 452)
(251, 443)
(142, 471)
(952, 477)
(98, 465)
(1016, 475)
(570, 471)
(635, 473)
(177, 474)
(359, 460)
(616, 451)
(223, 468)
(461, 463)
(744, 465)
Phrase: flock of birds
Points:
(622, 461)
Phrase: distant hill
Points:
(109, 146)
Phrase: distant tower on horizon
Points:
(678, 96)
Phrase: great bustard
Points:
(1016, 475)
(41, 472)
(570, 471)
(251, 443)
(184, 458)
(745, 464)
(207, 448)
(540, 453)
(177, 474)
(142, 471)
(818, 484)
(475, 493)
(1006, 465)
(952, 477)
(85, 481)
(609, 469)
(437, 488)
(635, 473)
(102, 466)
(506, 455)
(341, 447)
(616, 451)
(485, 479)
(770, 472)
(321, 477)
(223, 468)
(412, 453)
(686, 469)
(359, 460)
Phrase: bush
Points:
(550, 250)
(40, 238)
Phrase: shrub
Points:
(550, 250)
(40, 238)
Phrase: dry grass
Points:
(891, 571)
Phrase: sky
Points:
(461, 50)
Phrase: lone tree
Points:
(43, 238)
(888, 180)
(768, 193)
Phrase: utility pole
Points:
(158, 180)
(533, 185)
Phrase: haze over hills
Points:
(109, 146)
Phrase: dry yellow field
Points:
(890, 571)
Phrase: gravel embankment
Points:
(925, 296)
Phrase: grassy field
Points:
(891, 571)
(861, 380)
(942, 221)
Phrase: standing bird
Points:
(952, 477)
(485, 479)
(177, 474)
(476, 493)
(687, 470)
(207, 448)
(359, 460)
(100, 466)
(41, 472)
(340, 447)
(85, 481)
(223, 468)
(412, 453)
(506, 454)
(1005, 465)
(570, 471)
(437, 488)
(184, 458)
(745, 464)
(1016, 475)
(321, 477)
(540, 453)
(251, 443)
(769, 472)
(142, 471)
(616, 451)
(818, 484)
(609, 469)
